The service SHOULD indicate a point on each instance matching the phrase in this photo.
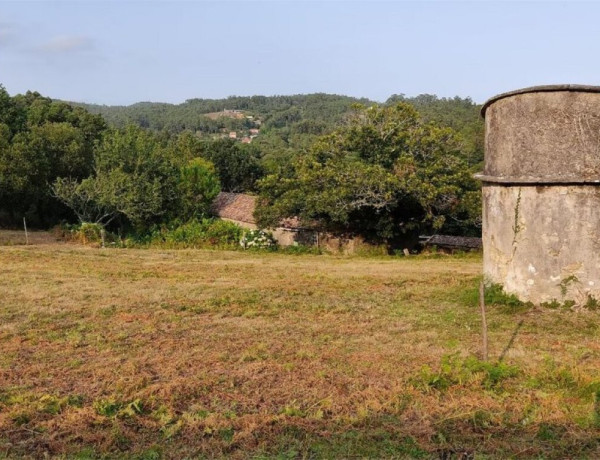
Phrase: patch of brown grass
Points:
(34, 237)
(229, 354)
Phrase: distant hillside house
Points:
(239, 208)
(232, 135)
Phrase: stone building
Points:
(239, 208)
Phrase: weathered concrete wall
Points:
(541, 193)
(543, 243)
(544, 136)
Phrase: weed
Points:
(566, 282)
(300, 249)
(556, 305)
(226, 434)
(516, 225)
(496, 296)
(115, 408)
(107, 407)
(596, 410)
(548, 432)
(455, 370)
(591, 303)
(293, 410)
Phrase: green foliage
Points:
(592, 303)
(300, 249)
(329, 194)
(133, 177)
(382, 175)
(86, 233)
(92, 200)
(455, 370)
(197, 188)
(121, 409)
(196, 233)
(384, 172)
(41, 140)
(237, 164)
(460, 114)
(495, 295)
(90, 232)
(291, 124)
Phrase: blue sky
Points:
(116, 52)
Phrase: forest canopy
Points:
(383, 171)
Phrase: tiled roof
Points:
(467, 242)
(235, 206)
(240, 207)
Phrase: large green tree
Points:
(385, 174)
(133, 177)
(41, 140)
(197, 188)
(238, 165)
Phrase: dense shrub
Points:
(258, 239)
(195, 233)
(86, 233)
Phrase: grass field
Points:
(203, 354)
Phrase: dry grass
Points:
(17, 237)
(149, 354)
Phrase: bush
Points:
(301, 249)
(257, 239)
(193, 234)
(86, 233)
(225, 233)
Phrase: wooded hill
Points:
(290, 123)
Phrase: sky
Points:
(118, 52)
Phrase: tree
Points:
(238, 165)
(133, 177)
(198, 187)
(41, 140)
(92, 200)
(385, 175)
(327, 194)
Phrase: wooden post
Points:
(26, 234)
(102, 233)
(483, 320)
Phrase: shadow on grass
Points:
(511, 342)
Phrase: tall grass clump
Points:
(86, 233)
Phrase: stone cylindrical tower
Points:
(541, 192)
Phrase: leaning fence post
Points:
(26, 235)
(483, 320)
